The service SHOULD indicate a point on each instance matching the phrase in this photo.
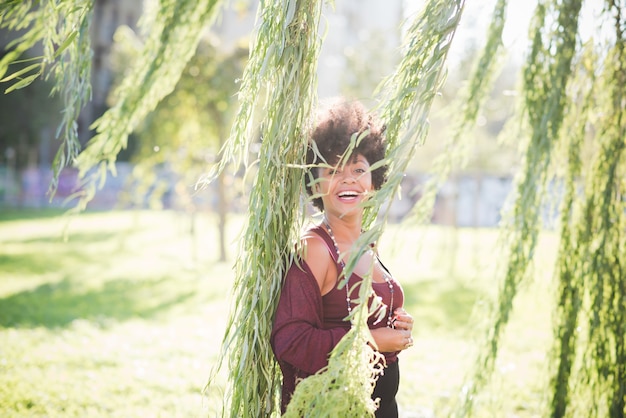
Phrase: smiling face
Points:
(345, 186)
(343, 125)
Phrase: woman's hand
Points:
(402, 320)
(397, 338)
(389, 340)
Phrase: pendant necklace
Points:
(386, 276)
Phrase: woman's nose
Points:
(348, 177)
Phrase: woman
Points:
(310, 318)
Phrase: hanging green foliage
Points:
(282, 68)
(410, 90)
(173, 32)
(464, 113)
(573, 113)
(571, 123)
(590, 327)
(173, 28)
(63, 30)
(570, 289)
(546, 75)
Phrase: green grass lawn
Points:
(125, 318)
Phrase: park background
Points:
(119, 311)
(362, 45)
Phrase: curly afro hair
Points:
(337, 121)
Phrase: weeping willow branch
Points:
(546, 76)
(283, 64)
(175, 27)
(457, 147)
(570, 289)
(545, 79)
(344, 387)
(411, 91)
(590, 326)
(63, 29)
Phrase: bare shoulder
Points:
(315, 254)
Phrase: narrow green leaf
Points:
(6, 60)
(291, 11)
(65, 44)
(22, 83)
(20, 72)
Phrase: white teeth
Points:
(348, 194)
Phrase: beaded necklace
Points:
(384, 273)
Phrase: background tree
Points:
(178, 140)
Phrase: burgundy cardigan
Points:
(300, 342)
